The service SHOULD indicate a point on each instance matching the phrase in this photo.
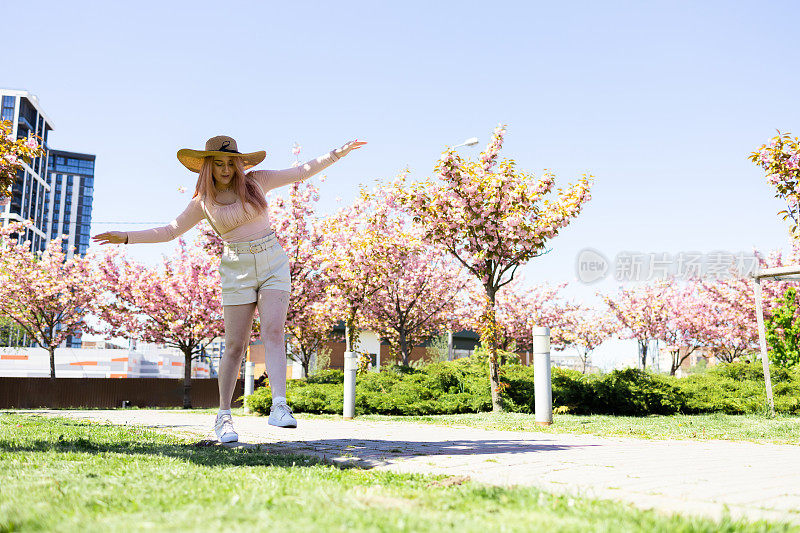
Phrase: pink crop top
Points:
(232, 221)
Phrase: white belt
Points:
(249, 248)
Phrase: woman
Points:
(254, 268)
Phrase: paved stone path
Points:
(691, 477)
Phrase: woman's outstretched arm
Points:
(272, 179)
(182, 223)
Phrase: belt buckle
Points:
(253, 249)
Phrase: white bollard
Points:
(543, 388)
(249, 382)
(350, 367)
(450, 352)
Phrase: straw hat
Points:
(221, 145)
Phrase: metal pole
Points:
(762, 341)
(449, 345)
(542, 385)
(350, 367)
(249, 370)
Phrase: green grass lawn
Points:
(66, 475)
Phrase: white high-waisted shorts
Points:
(245, 272)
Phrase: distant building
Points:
(97, 363)
(101, 345)
(698, 359)
(571, 361)
(69, 202)
(214, 352)
(28, 200)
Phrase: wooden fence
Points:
(108, 393)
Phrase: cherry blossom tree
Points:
(46, 295)
(730, 333)
(519, 308)
(641, 312)
(312, 310)
(781, 161)
(13, 153)
(310, 331)
(178, 304)
(492, 218)
(348, 266)
(419, 285)
(583, 329)
(732, 330)
(689, 320)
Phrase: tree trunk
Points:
(305, 361)
(643, 353)
(351, 333)
(52, 351)
(676, 362)
(490, 325)
(187, 379)
(404, 352)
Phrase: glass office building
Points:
(69, 200)
(28, 201)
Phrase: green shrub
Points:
(574, 392)
(753, 372)
(738, 388)
(783, 331)
(518, 394)
(327, 376)
(462, 386)
(708, 392)
(634, 392)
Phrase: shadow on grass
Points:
(96, 440)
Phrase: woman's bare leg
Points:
(238, 325)
(272, 307)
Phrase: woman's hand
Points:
(111, 237)
(348, 147)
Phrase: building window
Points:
(27, 113)
(8, 108)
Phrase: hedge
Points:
(462, 386)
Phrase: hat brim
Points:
(193, 159)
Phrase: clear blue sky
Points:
(661, 101)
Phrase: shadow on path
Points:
(402, 449)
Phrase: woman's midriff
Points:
(255, 236)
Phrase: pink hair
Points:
(241, 183)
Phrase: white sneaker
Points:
(281, 415)
(223, 427)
